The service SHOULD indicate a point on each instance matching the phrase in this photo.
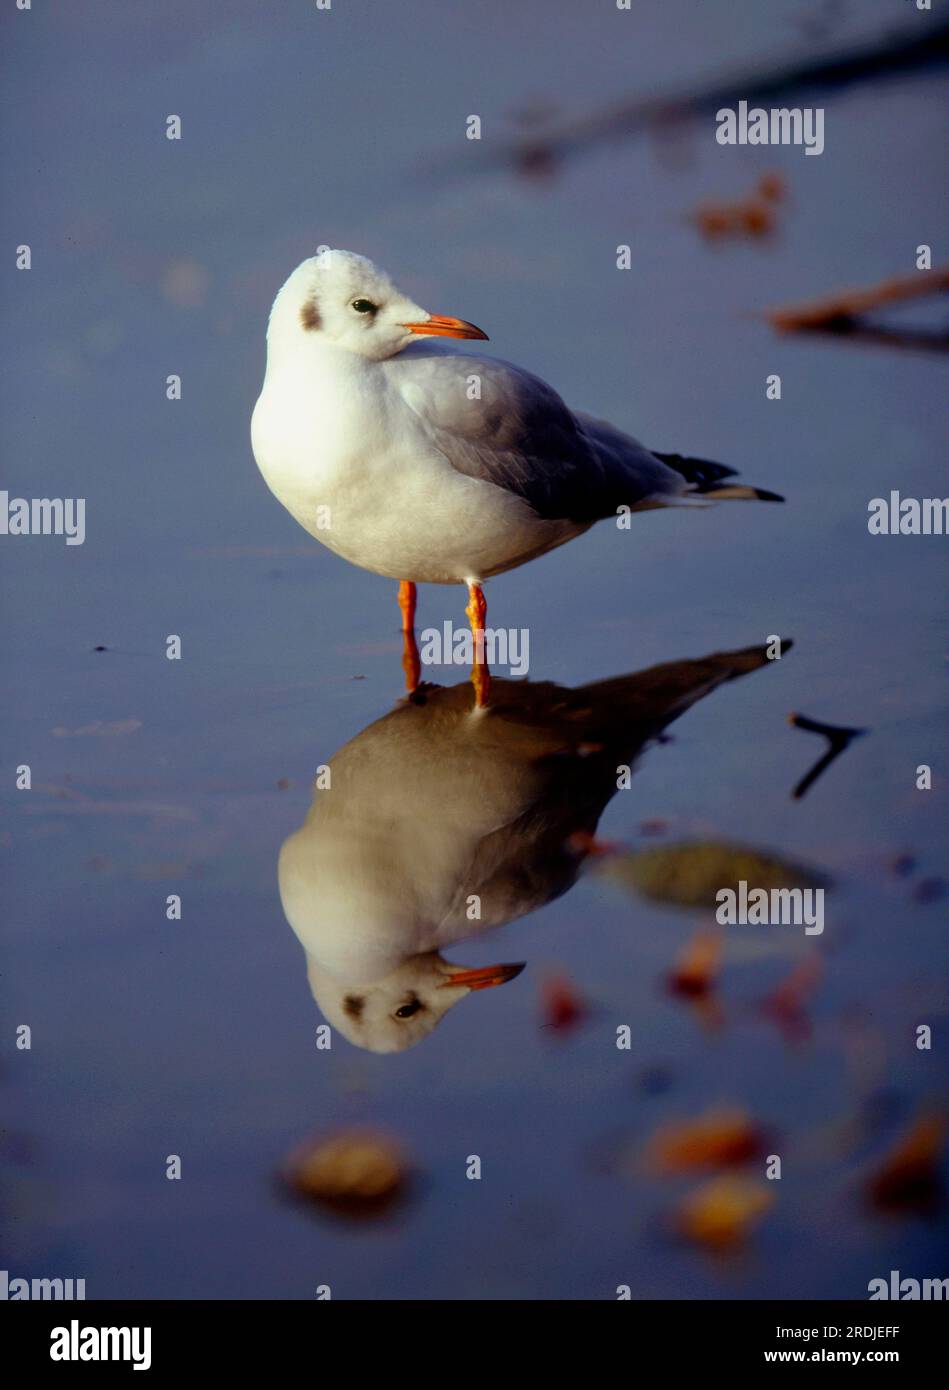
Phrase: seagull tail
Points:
(705, 479)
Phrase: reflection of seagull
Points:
(438, 826)
(431, 464)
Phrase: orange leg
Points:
(411, 664)
(477, 611)
(407, 594)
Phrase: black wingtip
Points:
(701, 473)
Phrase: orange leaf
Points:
(696, 968)
(721, 1214)
(354, 1172)
(908, 1179)
(561, 1005)
(719, 1138)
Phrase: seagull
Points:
(430, 812)
(427, 462)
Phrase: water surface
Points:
(151, 777)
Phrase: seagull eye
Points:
(364, 306)
(407, 1010)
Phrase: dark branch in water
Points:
(846, 305)
(875, 335)
(899, 55)
(842, 313)
(837, 738)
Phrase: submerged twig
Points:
(837, 738)
(890, 54)
(840, 312)
(874, 335)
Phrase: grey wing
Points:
(494, 421)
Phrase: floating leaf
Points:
(697, 965)
(355, 1172)
(745, 217)
(787, 1004)
(773, 187)
(561, 1005)
(908, 1179)
(691, 874)
(722, 1214)
(717, 1139)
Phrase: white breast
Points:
(353, 464)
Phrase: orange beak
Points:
(440, 326)
(485, 978)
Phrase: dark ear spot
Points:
(354, 1004)
(310, 315)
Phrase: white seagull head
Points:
(399, 1011)
(342, 300)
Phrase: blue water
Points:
(152, 777)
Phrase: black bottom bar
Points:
(242, 1337)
